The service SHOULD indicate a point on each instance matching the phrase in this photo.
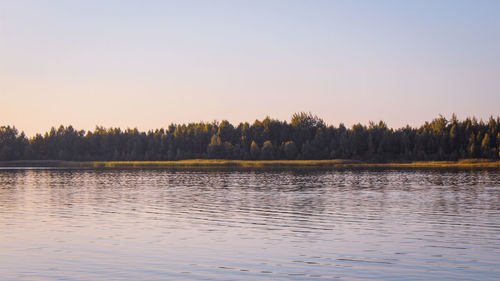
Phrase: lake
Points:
(353, 224)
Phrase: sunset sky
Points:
(147, 64)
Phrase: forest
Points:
(306, 136)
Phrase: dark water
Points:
(249, 225)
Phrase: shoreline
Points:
(259, 164)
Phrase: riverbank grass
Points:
(221, 163)
(335, 163)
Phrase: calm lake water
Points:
(249, 225)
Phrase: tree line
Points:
(305, 137)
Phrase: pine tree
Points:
(254, 150)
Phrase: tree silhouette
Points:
(305, 137)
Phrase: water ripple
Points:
(249, 225)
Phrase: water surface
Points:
(249, 225)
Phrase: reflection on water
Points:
(249, 225)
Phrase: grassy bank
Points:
(211, 163)
(222, 163)
(464, 163)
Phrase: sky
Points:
(147, 64)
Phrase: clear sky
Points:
(150, 63)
